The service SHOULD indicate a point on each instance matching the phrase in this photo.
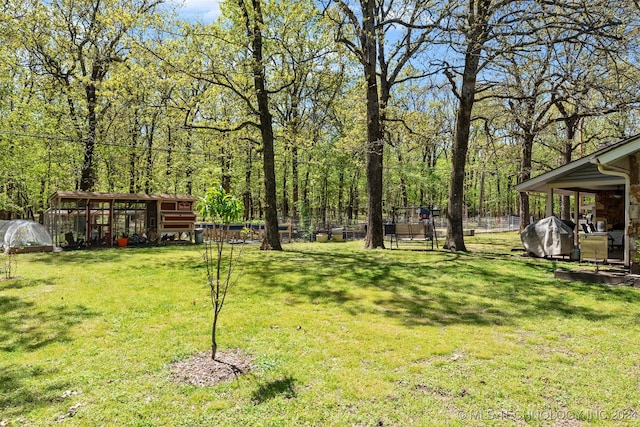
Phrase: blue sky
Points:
(198, 10)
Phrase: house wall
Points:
(610, 210)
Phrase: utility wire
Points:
(109, 144)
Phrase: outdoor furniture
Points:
(594, 246)
(617, 238)
(285, 229)
(419, 233)
(337, 235)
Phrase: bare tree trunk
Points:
(324, 201)
(403, 181)
(88, 178)
(455, 236)
(133, 157)
(285, 190)
(525, 175)
(567, 153)
(148, 186)
(169, 161)
(295, 186)
(478, 33)
(225, 165)
(247, 197)
(375, 143)
(214, 328)
(341, 197)
(306, 208)
(481, 207)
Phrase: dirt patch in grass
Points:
(200, 370)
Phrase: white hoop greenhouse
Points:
(20, 235)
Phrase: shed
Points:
(95, 219)
(612, 175)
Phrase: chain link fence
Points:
(307, 230)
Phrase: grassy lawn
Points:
(339, 336)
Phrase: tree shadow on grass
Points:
(284, 387)
(103, 255)
(20, 283)
(85, 256)
(19, 393)
(436, 288)
(26, 327)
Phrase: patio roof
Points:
(583, 175)
(84, 195)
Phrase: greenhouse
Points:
(20, 235)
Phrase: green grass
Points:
(339, 336)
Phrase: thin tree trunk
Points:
(341, 197)
(525, 174)
(169, 160)
(189, 169)
(306, 206)
(285, 190)
(225, 165)
(247, 198)
(403, 181)
(567, 152)
(88, 178)
(133, 157)
(214, 328)
(148, 186)
(295, 186)
(481, 197)
(323, 201)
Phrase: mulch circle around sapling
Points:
(200, 370)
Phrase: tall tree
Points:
(483, 31)
(231, 56)
(473, 22)
(314, 68)
(384, 36)
(75, 44)
(254, 22)
(526, 93)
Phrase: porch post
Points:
(549, 202)
(110, 228)
(576, 217)
(630, 213)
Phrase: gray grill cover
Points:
(548, 237)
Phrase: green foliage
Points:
(170, 92)
(221, 208)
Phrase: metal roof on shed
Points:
(93, 195)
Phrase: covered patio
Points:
(611, 177)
